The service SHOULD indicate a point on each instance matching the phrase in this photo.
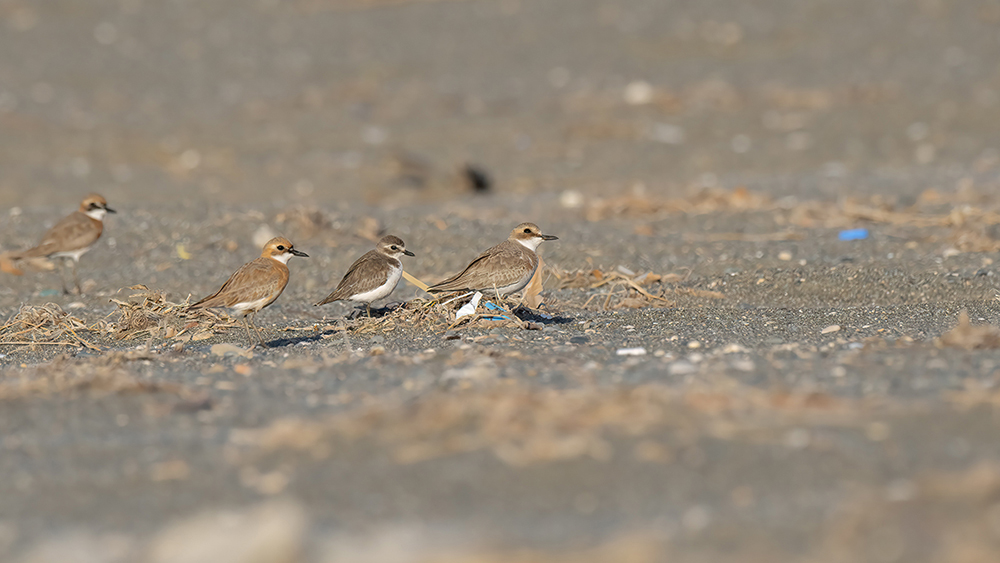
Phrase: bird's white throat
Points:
(531, 243)
(96, 214)
(283, 257)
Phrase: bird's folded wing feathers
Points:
(254, 280)
(499, 266)
(356, 280)
(73, 232)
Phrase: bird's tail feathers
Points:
(7, 264)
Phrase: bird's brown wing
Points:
(362, 276)
(73, 232)
(255, 280)
(499, 266)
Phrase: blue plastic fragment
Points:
(48, 292)
(853, 234)
(493, 307)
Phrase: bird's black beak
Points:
(408, 253)
(298, 253)
(549, 237)
(109, 210)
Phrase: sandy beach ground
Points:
(714, 374)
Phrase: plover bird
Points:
(255, 285)
(504, 269)
(373, 276)
(69, 239)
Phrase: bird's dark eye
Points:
(394, 247)
(281, 247)
(527, 230)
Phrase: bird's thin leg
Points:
(254, 325)
(246, 324)
(76, 279)
(62, 276)
(368, 306)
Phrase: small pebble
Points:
(682, 367)
(631, 352)
(830, 329)
(638, 92)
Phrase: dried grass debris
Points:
(428, 314)
(45, 325)
(624, 289)
(147, 313)
(435, 315)
(595, 278)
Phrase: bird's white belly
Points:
(250, 306)
(381, 291)
(74, 254)
(516, 286)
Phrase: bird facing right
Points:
(69, 239)
(506, 268)
(373, 276)
(256, 284)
